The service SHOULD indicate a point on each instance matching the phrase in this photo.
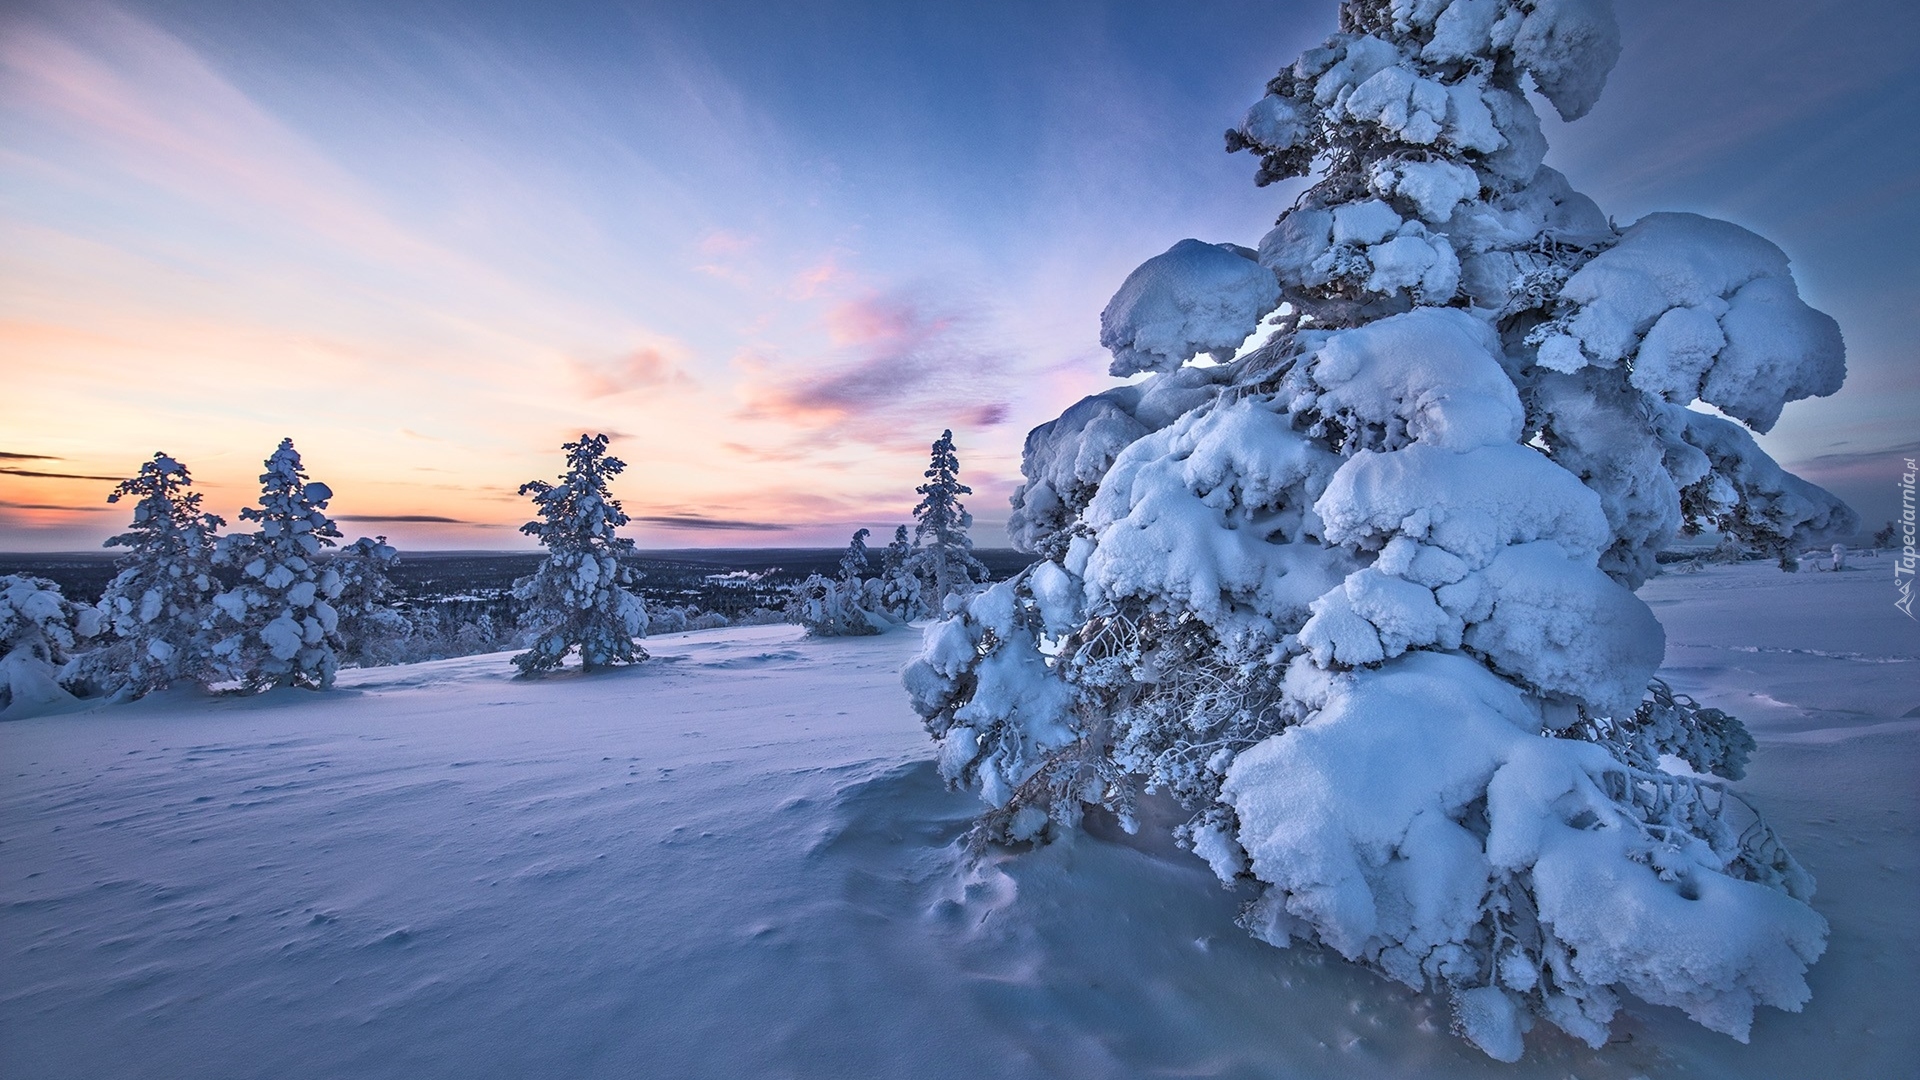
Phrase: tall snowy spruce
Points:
(153, 612)
(278, 627)
(1360, 597)
(943, 552)
(579, 598)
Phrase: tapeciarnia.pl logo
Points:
(1903, 567)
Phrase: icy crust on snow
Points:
(1701, 309)
(1466, 799)
(1194, 298)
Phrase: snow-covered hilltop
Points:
(737, 859)
(1330, 589)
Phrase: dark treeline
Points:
(458, 586)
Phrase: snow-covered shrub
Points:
(668, 620)
(943, 552)
(278, 626)
(833, 607)
(579, 597)
(847, 606)
(153, 613)
(370, 628)
(1361, 598)
(39, 629)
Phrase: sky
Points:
(772, 249)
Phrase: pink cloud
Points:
(819, 278)
(898, 367)
(890, 321)
(725, 242)
(644, 368)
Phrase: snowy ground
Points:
(736, 860)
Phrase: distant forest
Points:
(725, 581)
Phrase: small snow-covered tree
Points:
(278, 627)
(899, 586)
(369, 627)
(943, 552)
(39, 630)
(154, 611)
(1361, 597)
(856, 563)
(578, 598)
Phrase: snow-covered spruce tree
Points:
(1361, 597)
(39, 631)
(370, 629)
(943, 552)
(278, 627)
(153, 613)
(900, 591)
(856, 562)
(843, 606)
(579, 597)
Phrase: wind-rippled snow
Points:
(737, 860)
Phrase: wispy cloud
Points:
(645, 368)
(1855, 467)
(36, 474)
(50, 506)
(899, 363)
(676, 521)
(5, 456)
(418, 518)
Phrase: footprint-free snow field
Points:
(737, 860)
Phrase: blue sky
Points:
(774, 248)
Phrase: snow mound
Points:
(1465, 797)
(739, 860)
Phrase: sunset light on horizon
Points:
(771, 250)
